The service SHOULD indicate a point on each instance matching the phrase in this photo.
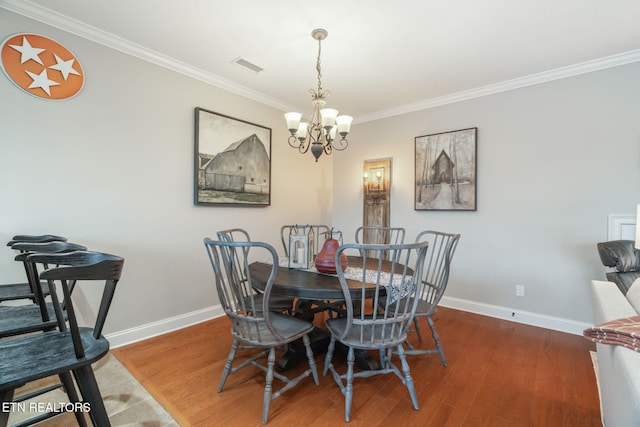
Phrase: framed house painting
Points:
(232, 161)
(446, 171)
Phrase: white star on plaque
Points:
(28, 52)
(65, 67)
(42, 81)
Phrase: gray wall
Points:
(553, 161)
(112, 169)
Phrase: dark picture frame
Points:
(232, 161)
(446, 171)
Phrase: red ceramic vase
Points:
(326, 259)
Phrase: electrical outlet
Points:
(519, 290)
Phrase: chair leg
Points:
(227, 366)
(348, 391)
(5, 397)
(312, 361)
(70, 389)
(268, 387)
(89, 388)
(408, 381)
(436, 338)
(417, 327)
(329, 355)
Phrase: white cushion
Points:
(633, 295)
(618, 367)
(609, 303)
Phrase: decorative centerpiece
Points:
(300, 244)
(326, 258)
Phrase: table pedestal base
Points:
(319, 338)
(296, 354)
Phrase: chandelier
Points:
(320, 132)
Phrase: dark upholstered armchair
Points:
(624, 259)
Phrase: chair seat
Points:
(364, 336)
(15, 291)
(33, 357)
(277, 303)
(289, 327)
(26, 318)
(424, 308)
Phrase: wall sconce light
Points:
(376, 180)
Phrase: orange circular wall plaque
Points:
(41, 66)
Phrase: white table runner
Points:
(399, 288)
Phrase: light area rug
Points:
(127, 402)
(594, 360)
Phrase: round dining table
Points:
(308, 284)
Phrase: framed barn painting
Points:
(232, 161)
(446, 171)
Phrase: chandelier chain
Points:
(318, 68)
(325, 130)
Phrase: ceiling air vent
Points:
(247, 65)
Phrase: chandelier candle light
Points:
(319, 133)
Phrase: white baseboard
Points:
(129, 336)
(518, 316)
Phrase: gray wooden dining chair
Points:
(277, 303)
(261, 330)
(435, 277)
(71, 349)
(380, 236)
(385, 330)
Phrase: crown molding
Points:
(533, 79)
(81, 29)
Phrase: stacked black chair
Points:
(40, 315)
(71, 349)
(24, 290)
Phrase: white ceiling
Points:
(381, 57)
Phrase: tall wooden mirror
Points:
(376, 179)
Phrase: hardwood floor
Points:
(499, 373)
